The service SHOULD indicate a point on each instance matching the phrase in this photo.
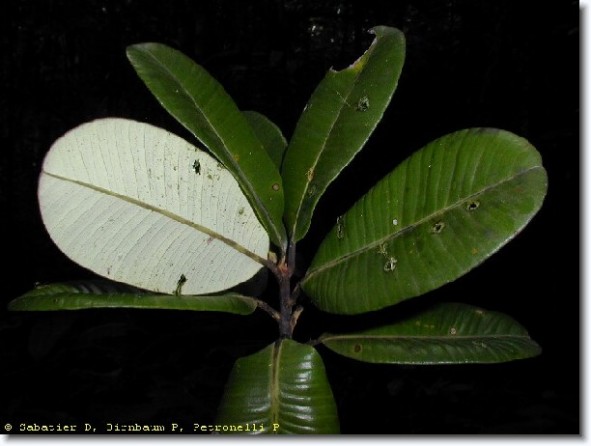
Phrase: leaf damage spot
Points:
(438, 227)
(241, 211)
(197, 167)
(340, 227)
(359, 64)
(395, 221)
(390, 264)
(179, 285)
(357, 348)
(275, 187)
(310, 174)
(453, 331)
(473, 205)
(362, 104)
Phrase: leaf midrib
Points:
(410, 227)
(229, 242)
(275, 379)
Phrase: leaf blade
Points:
(283, 385)
(195, 99)
(337, 121)
(444, 334)
(439, 214)
(268, 134)
(67, 296)
(136, 204)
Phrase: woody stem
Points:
(285, 270)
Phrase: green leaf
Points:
(83, 296)
(192, 96)
(337, 121)
(268, 134)
(444, 334)
(281, 389)
(139, 205)
(439, 214)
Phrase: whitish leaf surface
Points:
(283, 388)
(83, 296)
(139, 205)
(335, 124)
(444, 334)
(199, 102)
(439, 214)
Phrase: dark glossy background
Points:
(507, 64)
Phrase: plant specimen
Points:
(173, 226)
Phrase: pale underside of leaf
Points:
(439, 214)
(192, 96)
(139, 205)
(282, 388)
(57, 297)
(444, 334)
(342, 113)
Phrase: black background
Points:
(506, 64)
